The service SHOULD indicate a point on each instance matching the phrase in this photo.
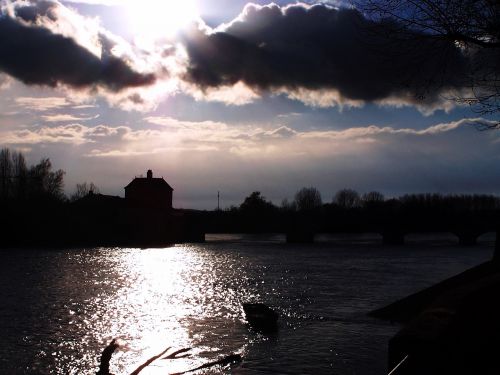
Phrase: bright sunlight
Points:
(160, 18)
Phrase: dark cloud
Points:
(36, 55)
(30, 13)
(321, 48)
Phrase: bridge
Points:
(302, 228)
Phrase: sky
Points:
(236, 97)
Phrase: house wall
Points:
(148, 198)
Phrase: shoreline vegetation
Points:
(36, 212)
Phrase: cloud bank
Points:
(37, 49)
(317, 54)
(301, 50)
(171, 135)
(277, 159)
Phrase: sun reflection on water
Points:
(60, 308)
(166, 298)
(153, 299)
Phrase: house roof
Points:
(149, 182)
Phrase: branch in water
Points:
(175, 356)
(107, 353)
(170, 356)
(233, 358)
(148, 362)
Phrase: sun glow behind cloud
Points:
(188, 84)
(264, 55)
(154, 19)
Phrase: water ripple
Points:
(60, 308)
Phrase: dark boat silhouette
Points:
(261, 317)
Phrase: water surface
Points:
(60, 308)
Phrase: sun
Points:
(160, 18)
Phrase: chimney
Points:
(150, 174)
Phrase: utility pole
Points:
(218, 201)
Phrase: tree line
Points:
(350, 211)
(22, 183)
(308, 199)
(36, 212)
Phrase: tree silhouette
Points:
(45, 182)
(372, 197)
(347, 198)
(20, 171)
(473, 26)
(256, 203)
(83, 189)
(287, 206)
(307, 199)
(5, 173)
(19, 182)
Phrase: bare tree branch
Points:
(107, 353)
(222, 362)
(148, 362)
(472, 26)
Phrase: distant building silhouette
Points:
(98, 200)
(149, 193)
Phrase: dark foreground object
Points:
(261, 317)
(178, 354)
(452, 327)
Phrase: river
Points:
(60, 308)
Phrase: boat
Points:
(261, 317)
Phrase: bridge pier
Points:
(301, 229)
(468, 236)
(195, 237)
(496, 254)
(300, 237)
(393, 238)
(467, 239)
